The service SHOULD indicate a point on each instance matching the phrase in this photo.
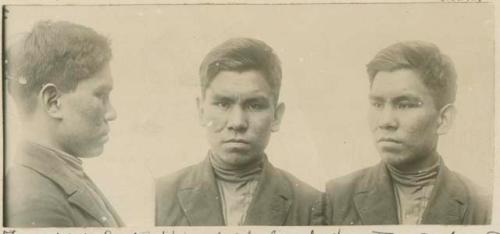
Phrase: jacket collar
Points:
(48, 163)
(201, 202)
(374, 197)
(376, 204)
(273, 199)
(448, 200)
(199, 197)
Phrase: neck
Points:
(419, 178)
(41, 133)
(422, 163)
(231, 173)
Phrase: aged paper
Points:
(324, 48)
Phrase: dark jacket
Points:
(190, 197)
(41, 191)
(366, 197)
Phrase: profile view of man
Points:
(236, 184)
(412, 91)
(60, 79)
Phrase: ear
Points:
(446, 118)
(278, 115)
(50, 100)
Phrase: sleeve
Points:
(32, 200)
(40, 210)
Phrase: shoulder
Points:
(476, 195)
(21, 180)
(300, 188)
(31, 199)
(171, 182)
(476, 199)
(350, 181)
(469, 188)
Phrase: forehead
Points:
(229, 83)
(102, 80)
(398, 83)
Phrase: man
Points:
(60, 79)
(236, 184)
(412, 91)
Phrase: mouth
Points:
(236, 141)
(104, 138)
(389, 140)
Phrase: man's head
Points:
(59, 76)
(240, 83)
(412, 90)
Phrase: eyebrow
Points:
(258, 98)
(375, 98)
(223, 97)
(407, 97)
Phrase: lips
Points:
(389, 140)
(104, 138)
(237, 141)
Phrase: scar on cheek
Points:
(215, 125)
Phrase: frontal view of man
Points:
(412, 91)
(60, 79)
(236, 184)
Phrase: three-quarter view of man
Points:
(412, 94)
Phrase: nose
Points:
(387, 119)
(110, 113)
(237, 120)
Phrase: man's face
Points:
(239, 114)
(86, 112)
(403, 119)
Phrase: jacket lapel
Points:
(199, 197)
(272, 201)
(115, 215)
(374, 197)
(47, 163)
(83, 199)
(447, 202)
(109, 208)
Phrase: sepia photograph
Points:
(261, 115)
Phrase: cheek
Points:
(214, 121)
(420, 126)
(261, 123)
(372, 120)
(93, 112)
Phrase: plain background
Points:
(323, 48)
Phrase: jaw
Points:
(408, 162)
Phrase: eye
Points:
(407, 105)
(222, 105)
(256, 106)
(102, 96)
(377, 104)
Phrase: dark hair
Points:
(61, 53)
(434, 68)
(242, 54)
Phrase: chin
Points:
(92, 153)
(238, 158)
(396, 160)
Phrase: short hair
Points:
(242, 54)
(435, 69)
(61, 53)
